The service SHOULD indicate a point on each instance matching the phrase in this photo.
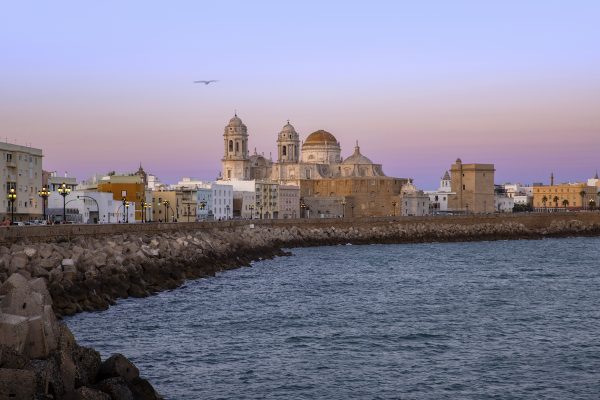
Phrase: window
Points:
(284, 151)
(464, 187)
(231, 145)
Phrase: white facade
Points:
(523, 200)
(413, 202)
(438, 199)
(91, 207)
(503, 203)
(222, 201)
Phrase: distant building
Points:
(473, 185)
(438, 199)
(503, 203)
(21, 169)
(414, 202)
(564, 196)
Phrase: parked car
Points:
(18, 223)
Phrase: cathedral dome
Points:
(357, 158)
(321, 137)
(235, 121)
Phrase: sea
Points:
(478, 320)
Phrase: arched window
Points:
(237, 147)
(231, 145)
(284, 151)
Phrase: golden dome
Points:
(321, 137)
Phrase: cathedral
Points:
(318, 157)
(330, 186)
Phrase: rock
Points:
(87, 363)
(47, 376)
(13, 282)
(23, 302)
(18, 261)
(67, 371)
(86, 393)
(10, 358)
(37, 343)
(143, 390)
(39, 285)
(67, 262)
(115, 387)
(30, 252)
(17, 384)
(118, 365)
(13, 331)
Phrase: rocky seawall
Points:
(88, 268)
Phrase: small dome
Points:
(458, 161)
(321, 137)
(235, 121)
(288, 129)
(357, 158)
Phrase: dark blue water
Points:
(505, 320)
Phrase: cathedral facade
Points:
(317, 157)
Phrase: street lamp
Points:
(127, 211)
(124, 201)
(145, 209)
(64, 192)
(302, 208)
(352, 209)
(259, 206)
(44, 194)
(344, 208)
(166, 203)
(189, 212)
(251, 207)
(12, 197)
(227, 211)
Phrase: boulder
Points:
(67, 371)
(115, 387)
(39, 285)
(87, 363)
(37, 343)
(13, 282)
(30, 252)
(10, 358)
(17, 384)
(118, 365)
(23, 302)
(13, 331)
(143, 390)
(18, 261)
(86, 393)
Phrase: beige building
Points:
(565, 196)
(21, 170)
(473, 188)
(170, 212)
(363, 197)
(289, 202)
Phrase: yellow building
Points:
(128, 187)
(171, 212)
(473, 187)
(570, 196)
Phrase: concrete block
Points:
(39, 285)
(13, 331)
(30, 252)
(17, 384)
(23, 302)
(51, 327)
(18, 261)
(118, 365)
(36, 339)
(13, 282)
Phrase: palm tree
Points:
(582, 194)
(544, 200)
(565, 203)
(555, 200)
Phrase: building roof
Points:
(446, 176)
(235, 121)
(321, 137)
(357, 158)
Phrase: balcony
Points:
(11, 164)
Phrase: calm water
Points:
(510, 319)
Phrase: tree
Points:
(565, 203)
(582, 194)
(555, 200)
(544, 200)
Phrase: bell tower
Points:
(288, 145)
(235, 161)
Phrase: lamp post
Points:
(143, 210)
(188, 212)
(344, 208)
(12, 197)
(394, 204)
(166, 203)
(127, 212)
(227, 211)
(302, 208)
(146, 207)
(352, 209)
(64, 192)
(251, 207)
(260, 207)
(124, 201)
(44, 194)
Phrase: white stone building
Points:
(413, 202)
(438, 199)
(88, 206)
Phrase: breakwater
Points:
(88, 267)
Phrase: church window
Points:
(231, 145)
(237, 147)
(284, 150)
(228, 174)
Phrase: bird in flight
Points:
(207, 82)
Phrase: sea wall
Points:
(88, 267)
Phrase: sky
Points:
(103, 86)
